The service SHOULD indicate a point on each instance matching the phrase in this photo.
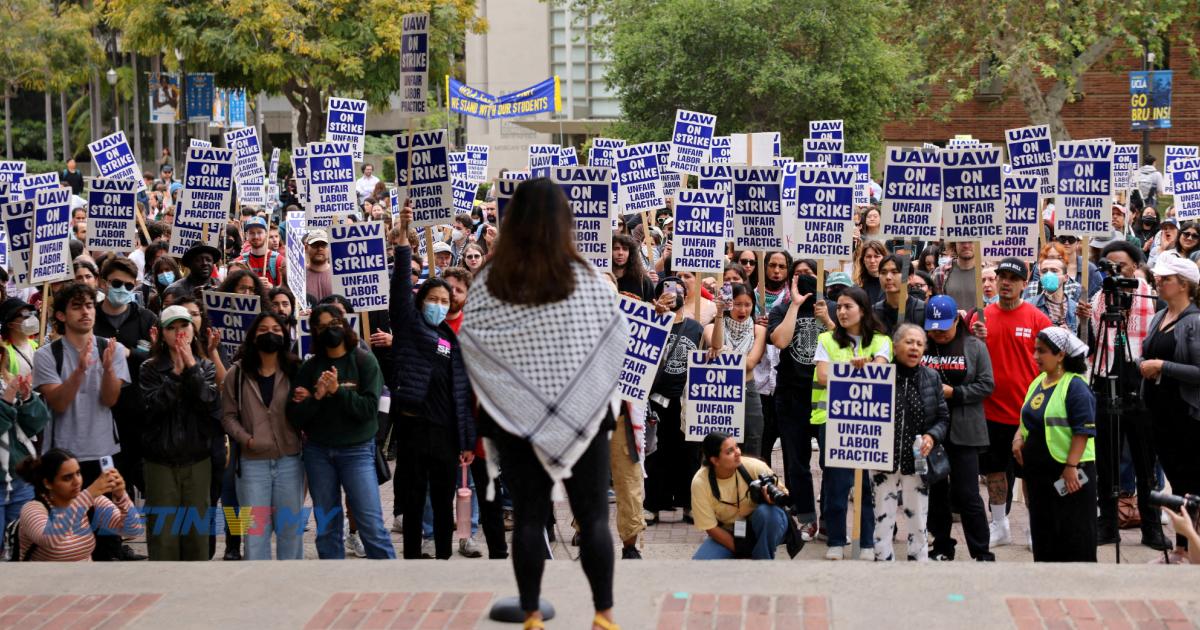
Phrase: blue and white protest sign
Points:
(207, 186)
(859, 430)
(691, 141)
(304, 336)
(111, 220)
(648, 333)
(1083, 188)
(114, 159)
(912, 194)
(698, 240)
(965, 141)
(11, 173)
(721, 150)
(457, 160)
(3, 244)
(1186, 176)
(30, 184)
(300, 174)
(567, 157)
(430, 187)
(18, 225)
(720, 177)
(347, 122)
(587, 192)
(824, 221)
(826, 130)
(827, 151)
(758, 208)
(231, 314)
(185, 234)
(51, 258)
(1171, 154)
(196, 142)
(330, 182)
(1022, 203)
(1031, 152)
(543, 158)
(861, 163)
(789, 168)
(715, 398)
(248, 170)
(463, 191)
(477, 162)
(414, 63)
(972, 194)
(1126, 160)
(273, 167)
(297, 277)
(358, 254)
(603, 152)
(506, 186)
(639, 182)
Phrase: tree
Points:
(1040, 50)
(21, 58)
(306, 50)
(758, 66)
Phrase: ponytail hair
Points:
(36, 471)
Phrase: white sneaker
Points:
(398, 524)
(354, 545)
(835, 553)
(1162, 517)
(428, 550)
(469, 548)
(1000, 534)
(867, 554)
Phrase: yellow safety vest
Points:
(1058, 426)
(838, 354)
(13, 367)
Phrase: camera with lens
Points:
(1174, 501)
(766, 481)
(1116, 297)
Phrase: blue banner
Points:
(200, 92)
(237, 109)
(536, 99)
(1150, 99)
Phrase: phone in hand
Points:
(671, 288)
(1061, 486)
(727, 293)
(106, 463)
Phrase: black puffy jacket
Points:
(183, 411)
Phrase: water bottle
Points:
(919, 461)
(462, 507)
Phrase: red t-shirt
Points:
(1010, 344)
(455, 323)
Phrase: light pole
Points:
(181, 150)
(111, 76)
(1148, 64)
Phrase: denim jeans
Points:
(768, 526)
(273, 491)
(836, 484)
(332, 469)
(13, 496)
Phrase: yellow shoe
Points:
(603, 623)
(534, 623)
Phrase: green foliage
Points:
(388, 171)
(758, 66)
(42, 166)
(379, 145)
(29, 138)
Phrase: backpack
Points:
(12, 543)
(56, 348)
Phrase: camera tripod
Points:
(1109, 389)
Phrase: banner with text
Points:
(586, 190)
(859, 431)
(824, 226)
(715, 398)
(648, 332)
(912, 194)
(358, 254)
(1083, 188)
(111, 220)
(698, 240)
(758, 208)
(430, 187)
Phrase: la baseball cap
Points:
(940, 312)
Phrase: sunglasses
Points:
(473, 256)
(117, 284)
(1067, 240)
(747, 261)
(1190, 235)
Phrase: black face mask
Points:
(332, 337)
(269, 342)
(917, 293)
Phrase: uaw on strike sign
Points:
(859, 426)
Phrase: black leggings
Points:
(587, 492)
(432, 465)
(961, 490)
(491, 513)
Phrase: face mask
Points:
(332, 337)
(30, 325)
(917, 293)
(435, 314)
(119, 296)
(269, 342)
(166, 277)
(1050, 282)
(458, 235)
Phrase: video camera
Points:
(767, 481)
(1116, 298)
(1174, 501)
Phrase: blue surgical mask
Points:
(119, 296)
(166, 277)
(435, 314)
(1050, 282)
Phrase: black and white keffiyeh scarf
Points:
(547, 373)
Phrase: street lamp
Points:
(111, 76)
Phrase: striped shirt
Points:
(70, 537)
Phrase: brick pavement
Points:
(95, 610)
(402, 611)
(1095, 614)
(707, 611)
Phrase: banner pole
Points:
(45, 309)
(141, 220)
(820, 280)
(1083, 295)
(647, 238)
(856, 530)
(979, 278)
(696, 289)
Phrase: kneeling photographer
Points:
(737, 501)
(1184, 512)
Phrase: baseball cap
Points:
(1015, 266)
(316, 236)
(167, 168)
(442, 248)
(254, 222)
(1170, 221)
(838, 278)
(1172, 264)
(1100, 242)
(12, 308)
(174, 314)
(940, 312)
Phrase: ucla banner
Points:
(536, 99)
(1150, 99)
